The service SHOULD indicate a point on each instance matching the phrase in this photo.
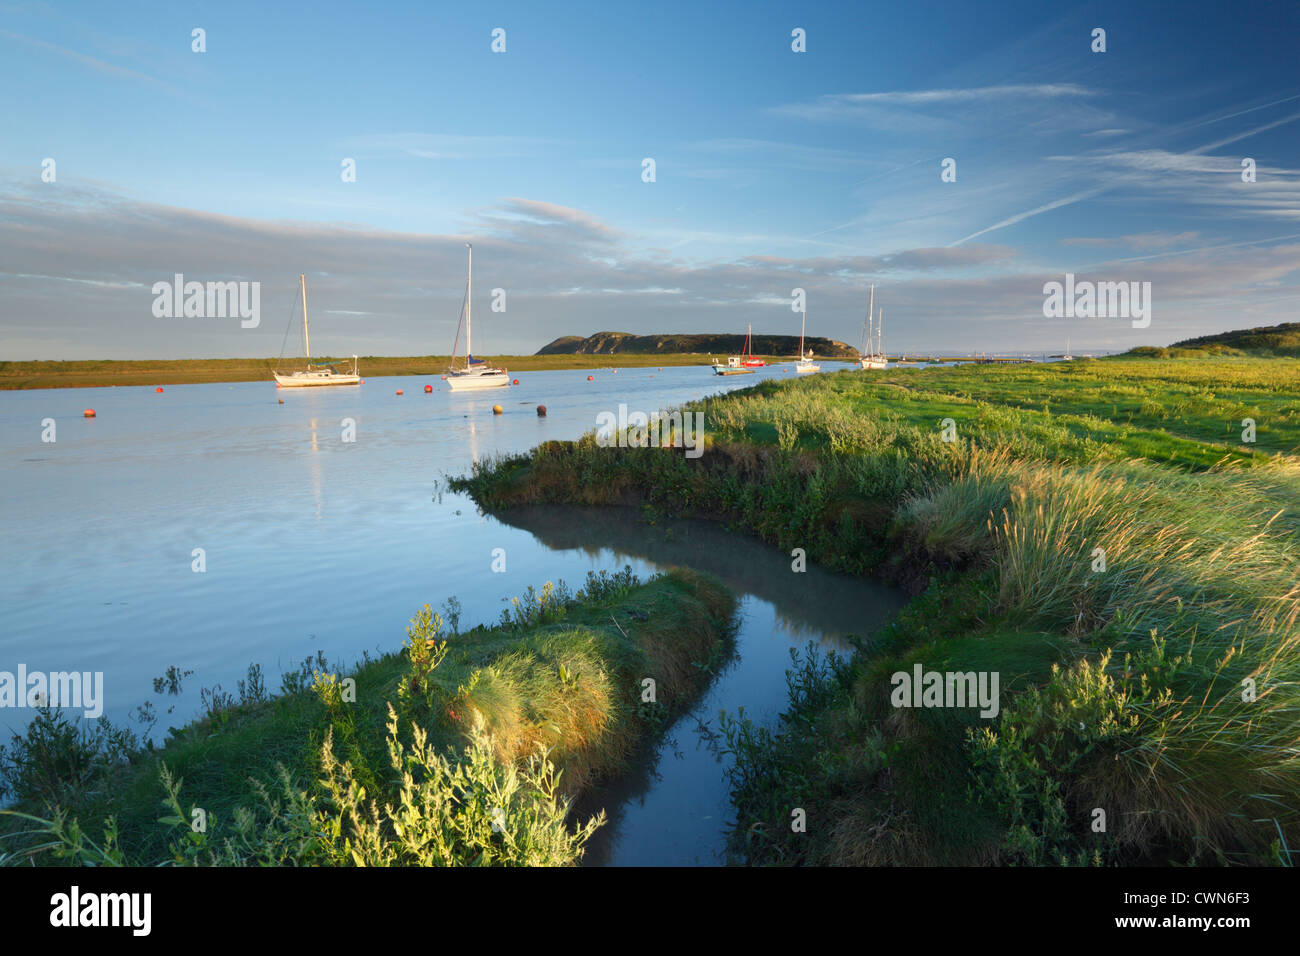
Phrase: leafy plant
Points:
(56, 761)
(418, 691)
(452, 809)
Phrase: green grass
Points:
(1187, 412)
(92, 373)
(561, 675)
(1124, 686)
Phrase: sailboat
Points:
(805, 363)
(874, 359)
(742, 364)
(748, 359)
(476, 373)
(321, 373)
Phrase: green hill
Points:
(1268, 340)
(614, 343)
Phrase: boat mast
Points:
(469, 307)
(306, 339)
(802, 324)
(880, 332)
(871, 310)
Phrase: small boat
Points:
(804, 363)
(867, 357)
(476, 373)
(734, 366)
(322, 373)
(742, 364)
(1067, 357)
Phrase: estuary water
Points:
(313, 543)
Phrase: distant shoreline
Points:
(102, 373)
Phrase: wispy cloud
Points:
(1143, 240)
(921, 97)
(1037, 210)
(854, 105)
(1223, 245)
(948, 257)
(1234, 115)
(1153, 166)
(543, 220)
(386, 292)
(102, 66)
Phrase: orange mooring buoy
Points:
(428, 388)
(89, 413)
(591, 378)
(399, 391)
(496, 409)
(541, 411)
(515, 382)
(158, 389)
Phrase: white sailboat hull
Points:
(803, 362)
(321, 374)
(314, 378)
(477, 378)
(472, 377)
(871, 356)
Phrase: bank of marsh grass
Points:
(1099, 533)
(459, 748)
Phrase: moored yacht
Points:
(476, 373)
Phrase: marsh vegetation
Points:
(1103, 534)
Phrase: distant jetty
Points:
(625, 343)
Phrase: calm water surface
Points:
(316, 544)
(674, 809)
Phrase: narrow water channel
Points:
(672, 809)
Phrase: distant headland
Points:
(708, 343)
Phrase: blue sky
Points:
(774, 170)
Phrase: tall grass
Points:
(1210, 580)
(1109, 546)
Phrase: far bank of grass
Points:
(93, 373)
(1102, 535)
(461, 748)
